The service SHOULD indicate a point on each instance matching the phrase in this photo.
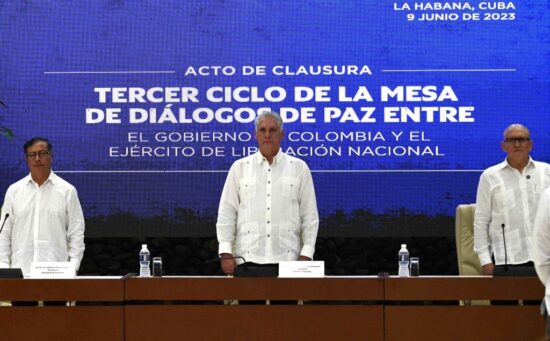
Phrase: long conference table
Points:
(334, 308)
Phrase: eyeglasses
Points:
(41, 154)
(513, 140)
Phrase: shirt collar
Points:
(505, 164)
(276, 159)
(51, 178)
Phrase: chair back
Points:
(468, 260)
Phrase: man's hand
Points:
(488, 269)
(228, 263)
(303, 258)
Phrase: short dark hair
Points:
(37, 139)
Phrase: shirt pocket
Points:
(247, 188)
(246, 237)
(290, 237)
(290, 187)
(534, 188)
(505, 199)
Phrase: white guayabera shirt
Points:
(505, 210)
(45, 224)
(268, 213)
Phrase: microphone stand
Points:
(5, 218)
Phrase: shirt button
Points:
(268, 194)
(268, 221)
(268, 236)
(268, 208)
(269, 182)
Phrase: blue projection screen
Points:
(397, 106)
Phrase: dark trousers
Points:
(527, 269)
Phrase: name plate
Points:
(302, 269)
(48, 270)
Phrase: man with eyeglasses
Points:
(506, 203)
(43, 220)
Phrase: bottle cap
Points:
(143, 246)
(403, 245)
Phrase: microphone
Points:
(505, 251)
(234, 257)
(9, 272)
(525, 269)
(219, 259)
(5, 218)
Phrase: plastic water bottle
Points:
(404, 261)
(144, 262)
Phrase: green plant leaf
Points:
(6, 132)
